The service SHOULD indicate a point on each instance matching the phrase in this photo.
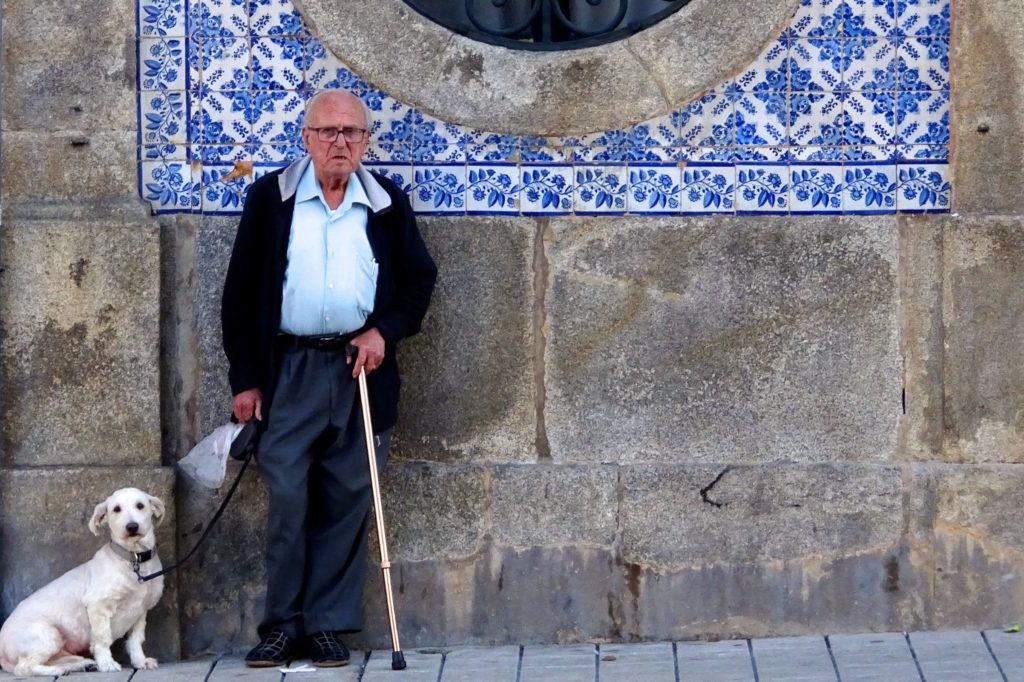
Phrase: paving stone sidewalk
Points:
(988, 656)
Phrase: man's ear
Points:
(158, 509)
(99, 518)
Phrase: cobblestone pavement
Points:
(989, 656)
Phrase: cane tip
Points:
(397, 660)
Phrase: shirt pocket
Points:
(368, 289)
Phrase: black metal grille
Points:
(546, 24)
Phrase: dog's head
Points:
(131, 515)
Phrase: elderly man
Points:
(327, 255)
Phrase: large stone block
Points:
(983, 378)
(987, 65)
(969, 515)
(679, 515)
(69, 65)
(782, 549)
(68, 167)
(745, 339)
(43, 533)
(467, 379)
(468, 383)
(540, 505)
(79, 369)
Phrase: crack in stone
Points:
(662, 90)
(706, 489)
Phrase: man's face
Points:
(340, 158)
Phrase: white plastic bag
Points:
(207, 462)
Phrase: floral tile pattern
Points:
(846, 111)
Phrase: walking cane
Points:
(397, 657)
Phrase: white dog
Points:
(93, 604)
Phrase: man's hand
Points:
(371, 351)
(248, 404)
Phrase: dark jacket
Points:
(251, 305)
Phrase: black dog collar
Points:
(134, 558)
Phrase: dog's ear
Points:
(99, 518)
(158, 509)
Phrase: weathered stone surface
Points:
(434, 511)
(792, 658)
(472, 664)
(954, 656)
(503, 596)
(970, 517)
(921, 336)
(675, 516)
(723, 340)
(179, 355)
(71, 167)
(467, 382)
(44, 534)
(729, 660)
(986, 64)
(984, 319)
(544, 505)
(630, 662)
(79, 316)
(223, 586)
(564, 663)
(681, 53)
(73, 71)
(467, 386)
(792, 549)
(874, 656)
(212, 252)
(544, 93)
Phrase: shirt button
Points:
(330, 286)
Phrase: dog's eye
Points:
(139, 505)
(117, 510)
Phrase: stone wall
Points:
(613, 428)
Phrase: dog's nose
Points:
(132, 528)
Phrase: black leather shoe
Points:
(276, 649)
(327, 651)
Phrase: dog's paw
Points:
(110, 666)
(145, 664)
(91, 668)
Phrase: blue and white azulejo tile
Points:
(845, 111)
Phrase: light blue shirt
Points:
(331, 277)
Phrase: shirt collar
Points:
(309, 188)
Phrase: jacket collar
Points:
(288, 182)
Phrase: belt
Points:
(323, 342)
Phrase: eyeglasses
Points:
(330, 134)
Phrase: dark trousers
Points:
(313, 459)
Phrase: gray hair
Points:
(323, 93)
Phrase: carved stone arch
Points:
(545, 93)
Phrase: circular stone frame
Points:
(463, 81)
